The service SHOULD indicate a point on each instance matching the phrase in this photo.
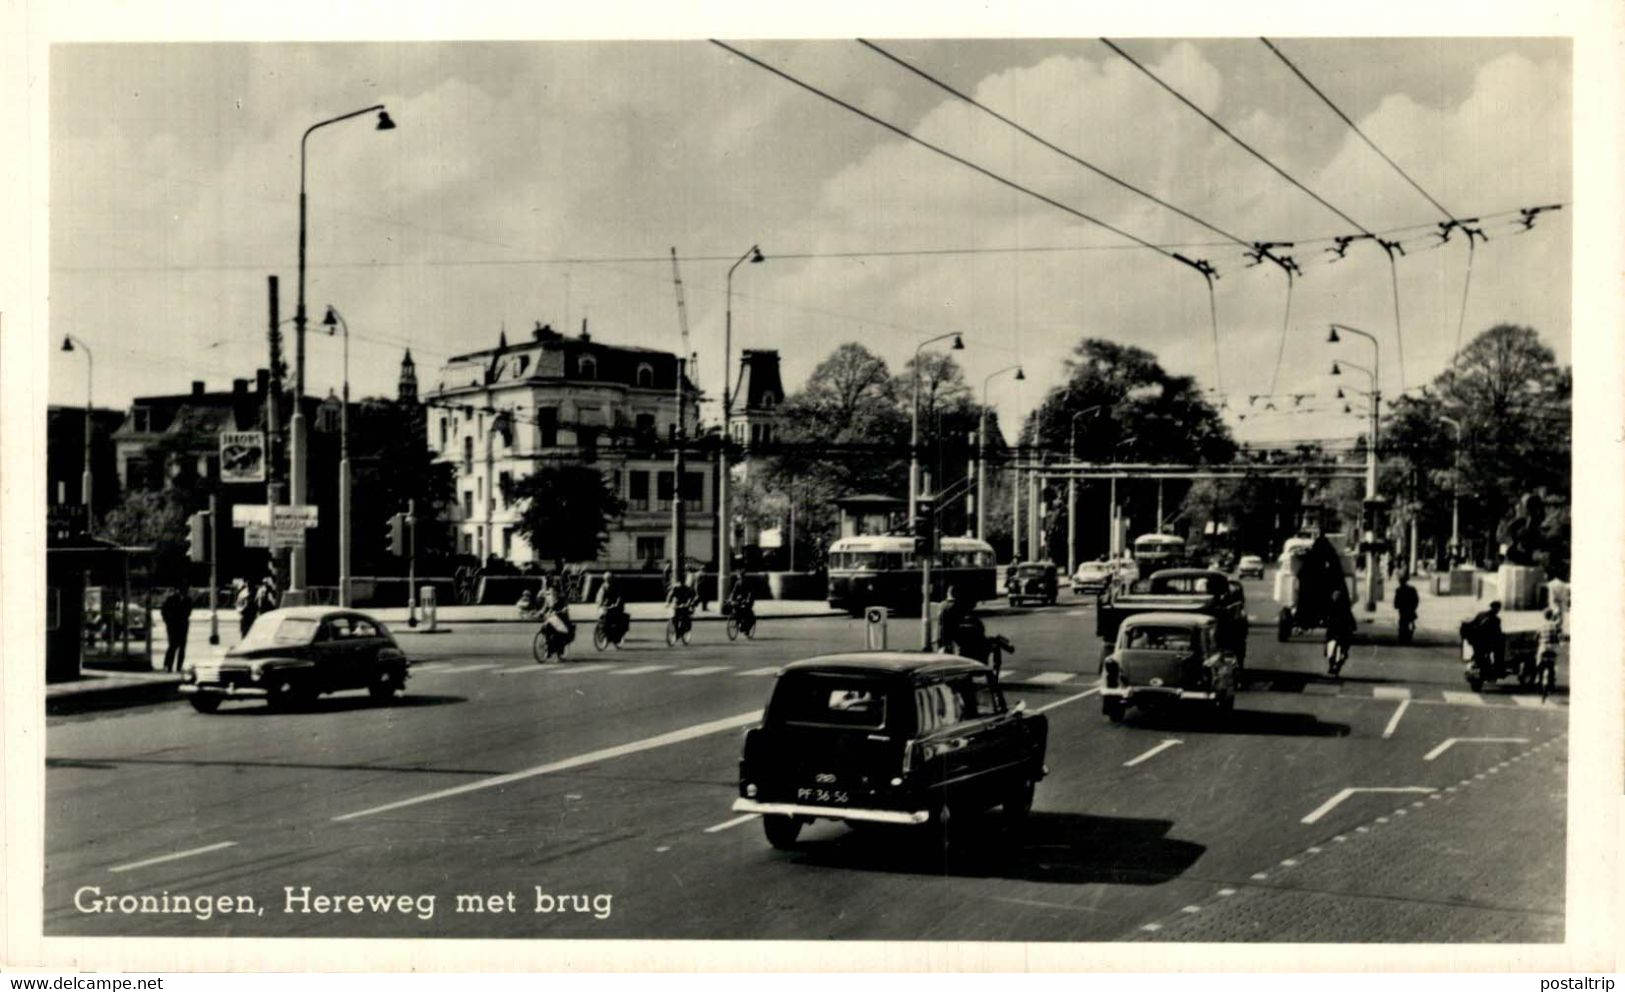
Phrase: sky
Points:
(548, 181)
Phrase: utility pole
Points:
(411, 563)
(214, 568)
(273, 434)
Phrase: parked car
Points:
(889, 738)
(293, 655)
(1180, 590)
(1162, 658)
(1250, 566)
(1093, 576)
(1033, 581)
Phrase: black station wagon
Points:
(891, 738)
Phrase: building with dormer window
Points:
(502, 413)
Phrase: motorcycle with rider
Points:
(960, 631)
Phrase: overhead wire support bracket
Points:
(1530, 213)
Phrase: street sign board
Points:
(286, 517)
(262, 536)
(249, 514)
(242, 456)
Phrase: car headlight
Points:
(255, 669)
(750, 790)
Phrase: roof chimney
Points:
(584, 335)
(544, 331)
(262, 380)
(239, 387)
(197, 387)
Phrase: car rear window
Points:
(830, 701)
(1159, 638)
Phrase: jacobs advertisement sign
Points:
(242, 456)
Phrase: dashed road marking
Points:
(175, 857)
(766, 670)
(582, 669)
(1070, 699)
(704, 670)
(1393, 722)
(1450, 742)
(725, 824)
(640, 669)
(1165, 745)
(1333, 802)
(1459, 698)
(591, 757)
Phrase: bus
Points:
(1156, 551)
(879, 570)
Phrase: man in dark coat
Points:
(176, 610)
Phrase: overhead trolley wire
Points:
(1201, 266)
(904, 134)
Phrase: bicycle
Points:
(737, 625)
(676, 632)
(1547, 674)
(603, 637)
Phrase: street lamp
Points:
(1455, 493)
(334, 320)
(1072, 489)
(1371, 453)
(914, 419)
(724, 521)
(981, 452)
(297, 454)
(68, 344)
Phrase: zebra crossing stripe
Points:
(768, 670)
(1051, 678)
(640, 669)
(1458, 698)
(704, 670)
(1390, 692)
(1529, 701)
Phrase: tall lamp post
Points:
(71, 343)
(336, 320)
(981, 452)
(914, 419)
(724, 520)
(1372, 566)
(297, 453)
(1072, 489)
(1455, 494)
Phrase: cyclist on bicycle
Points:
(557, 626)
(742, 603)
(1340, 627)
(612, 608)
(680, 599)
(1551, 635)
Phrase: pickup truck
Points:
(1180, 590)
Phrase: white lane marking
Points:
(1051, 678)
(1529, 701)
(1191, 909)
(1227, 892)
(1458, 698)
(1069, 699)
(1390, 692)
(1393, 721)
(704, 670)
(476, 668)
(736, 821)
(767, 670)
(1332, 803)
(1450, 742)
(1009, 675)
(578, 669)
(1165, 745)
(521, 669)
(640, 669)
(1259, 876)
(1152, 927)
(460, 668)
(591, 757)
(175, 857)
(1288, 862)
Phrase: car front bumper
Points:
(901, 817)
(222, 689)
(1130, 691)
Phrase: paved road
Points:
(599, 792)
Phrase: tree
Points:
(398, 467)
(1514, 405)
(1119, 405)
(567, 512)
(153, 519)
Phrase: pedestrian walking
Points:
(176, 610)
(247, 607)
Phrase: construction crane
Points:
(682, 317)
(679, 523)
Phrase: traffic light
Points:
(197, 536)
(924, 527)
(397, 535)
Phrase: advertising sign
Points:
(242, 456)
